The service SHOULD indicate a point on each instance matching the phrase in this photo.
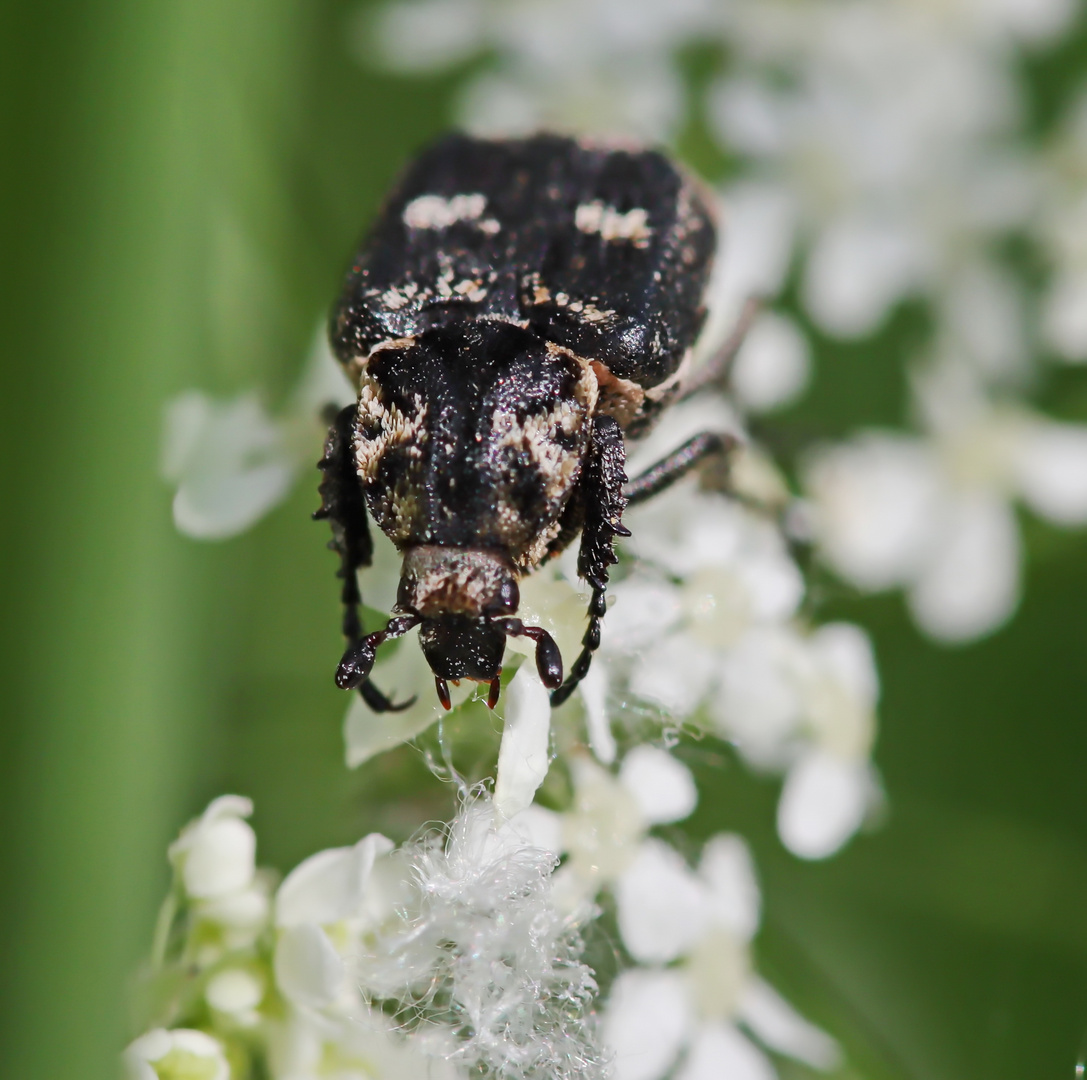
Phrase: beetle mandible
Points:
(519, 309)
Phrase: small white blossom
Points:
(933, 515)
(690, 1012)
(232, 462)
(216, 854)
(180, 1054)
(229, 461)
(236, 993)
(772, 366)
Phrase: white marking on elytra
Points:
(394, 299)
(396, 427)
(597, 217)
(438, 212)
(472, 289)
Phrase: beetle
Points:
(520, 308)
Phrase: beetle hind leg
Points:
(603, 500)
(343, 506)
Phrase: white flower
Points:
(806, 704)
(933, 515)
(327, 898)
(229, 461)
(771, 368)
(232, 462)
(604, 830)
(689, 1013)
(723, 643)
(180, 1054)
(215, 855)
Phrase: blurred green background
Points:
(182, 186)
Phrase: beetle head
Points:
(464, 600)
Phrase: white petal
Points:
(773, 365)
(759, 222)
(846, 652)
(663, 788)
(1064, 316)
(758, 705)
(857, 269)
(523, 757)
(728, 869)
(875, 500)
(1033, 20)
(243, 911)
(235, 990)
(308, 969)
(401, 672)
(772, 581)
(971, 583)
(675, 674)
(594, 696)
(985, 310)
(782, 1028)
(643, 609)
(720, 1052)
(329, 886)
(646, 1023)
(229, 460)
(823, 803)
(751, 118)
(663, 906)
(324, 382)
(539, 827)
(1052, 468)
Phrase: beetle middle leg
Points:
(603, 501)
(675, 465)
(344, 507)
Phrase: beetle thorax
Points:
(436, 581)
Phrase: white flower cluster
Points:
(442, 958)
(882, 152)
(459, 954)
(688, 931)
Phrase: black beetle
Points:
(519, 307)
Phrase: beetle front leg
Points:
(604, 501)
(344, 507)
(676, 465)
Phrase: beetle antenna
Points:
(548, 657)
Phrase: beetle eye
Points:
(507, 600)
